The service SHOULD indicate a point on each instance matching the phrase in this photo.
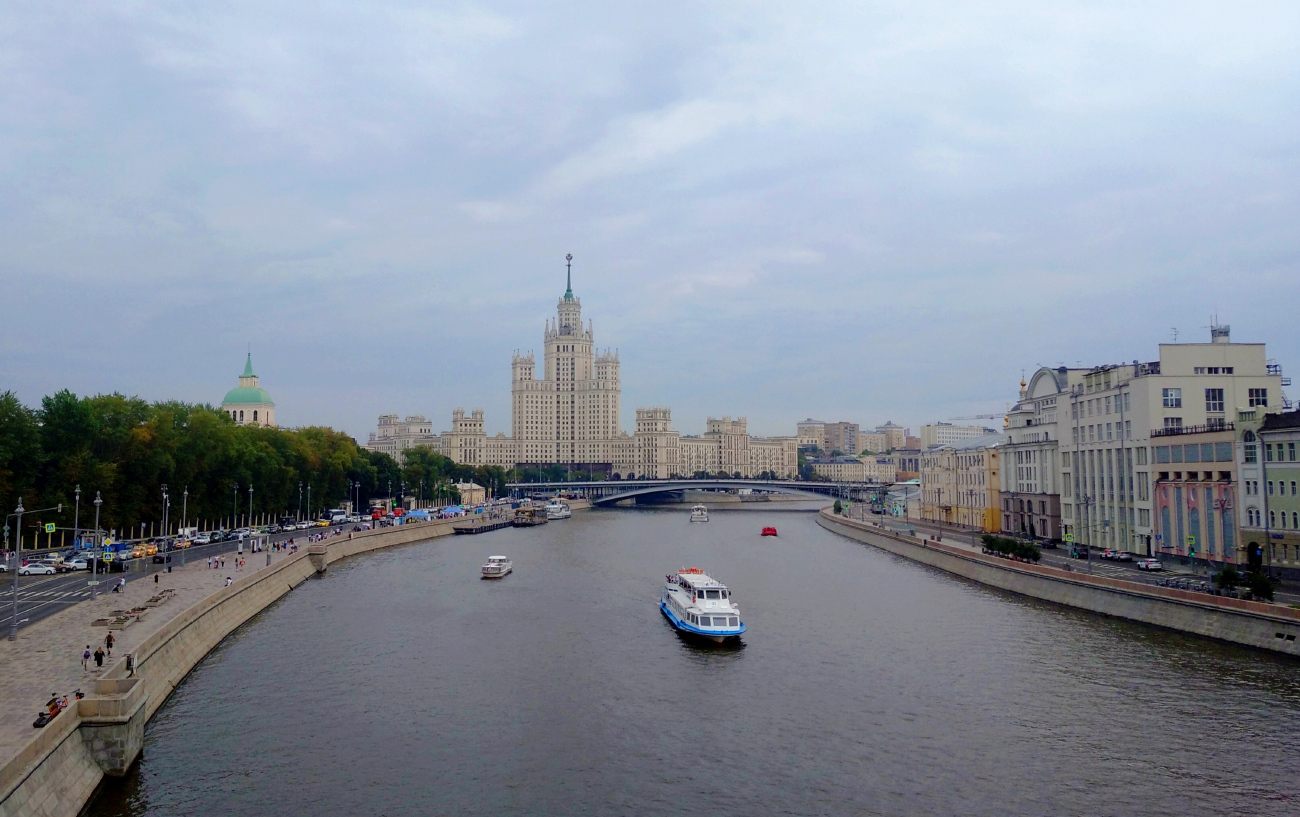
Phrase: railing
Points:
(1202, 429)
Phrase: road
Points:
(41, 596)
(1287, 593)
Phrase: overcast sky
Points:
(856, 211)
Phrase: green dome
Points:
(247, 394)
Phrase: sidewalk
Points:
(46, 658)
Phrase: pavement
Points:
(1287, 593)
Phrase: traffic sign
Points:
(1191, 541)
(49, 527)
(1069, 537)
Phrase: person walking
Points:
(130, 665)
(108, 644)
(85, 659)
(99, 657)
(209, 563)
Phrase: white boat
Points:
(699, 513)
(698, 604)
(558, 510)
(497, 567)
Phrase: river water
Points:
(401, 684)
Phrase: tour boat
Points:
(769, 531)
(699, 605)
(497, 567)
(558, 510)
(699, 513)
(527, 516)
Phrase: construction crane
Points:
(981, 417)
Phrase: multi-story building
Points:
(1114, 412)
(872, 441)
(570, 416)
(811, 434)
(842, 437)
(1272, 525)
(895, 436)
(945, 433)
(1194, 474)
(1031, 466)
(839, 469)
(960, 483)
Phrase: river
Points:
(401, 684)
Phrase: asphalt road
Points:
(41, 596)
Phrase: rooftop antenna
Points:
(1175, 331)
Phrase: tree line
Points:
(126, 449)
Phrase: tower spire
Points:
(568, 265)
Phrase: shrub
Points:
(1006, 546)
(838, 507)
(1260, 585)
(1227, 578)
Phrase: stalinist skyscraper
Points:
(572, 414)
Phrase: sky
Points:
(860, 211)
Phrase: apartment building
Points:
(1117, 413)
(960, 483)
(946, 433)
(1031, 456)
(1271, 524)
(842, 437)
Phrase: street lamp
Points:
(234, 519)
(250, 506)
(299, 500)
(99, 552)
(309, 500)
(185, 518)
(76, 519)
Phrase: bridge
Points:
(608, 492)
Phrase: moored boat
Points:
(526, 516)
(558, 510)
(699, 513)
(699, 605)
(497, 567)
(769, 531)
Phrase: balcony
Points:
(1204, 429)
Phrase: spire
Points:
(248, 366)
(568, 264)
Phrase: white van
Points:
(337, 516)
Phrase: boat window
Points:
(735, 622)
(704, 620)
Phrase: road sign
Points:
(1069, 537)
(49, 527)
(1191, 541)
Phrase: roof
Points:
(247, 394)
(974, 443)
(1286, 419)
(248, 367)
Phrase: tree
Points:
(838, 507)
(1227, 578)
(20, 451)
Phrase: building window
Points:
(1198, 370)
(1248, 447)
(1214, 399)
(1109, 435)
(1258, 397)
(1173, 398)
(1173, 422)
(1268, 452)
(1270, 487)
(241, 416)
(255, 415)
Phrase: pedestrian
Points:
(155, 578)
(209, 563)
(99, 657)
(108, 644)
(85, 659)
(130, 665)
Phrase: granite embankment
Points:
(56, 772)
(1254, 624)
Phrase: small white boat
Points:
(700, 605)
(558, 510)
(699, 513)
(497, 567)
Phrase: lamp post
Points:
(299, 500)
(185, 518)
(250, 506)
(309, 500)
(76, 519)
(99, 552)
(234, 519)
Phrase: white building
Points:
(947, 434)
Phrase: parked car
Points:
(1150, 564)
(1078, 552)
(78, 564)
(1123, 556)
(37, 569)
(272, 529)
(203, 539)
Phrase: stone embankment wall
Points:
(1254, 624)
(57, 773)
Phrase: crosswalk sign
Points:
(1069, 537)
(49, 527)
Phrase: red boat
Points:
(769, 531)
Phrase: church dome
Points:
(247, 391)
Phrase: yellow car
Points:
(182, 543)
(150, 549)
(137, 552)
(323, 523)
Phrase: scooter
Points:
(53, 708)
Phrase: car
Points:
(1123, 556)
(203, 539)
(150, 548)
(272, 529)
(78, 564)
(137, 552)
(323, 523)
(1078, 552)
(37, 569)
(1150, 564)
(4, 567)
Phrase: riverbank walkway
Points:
(46, 658)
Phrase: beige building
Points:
(839, 469)
(1117, 414)
(248, 404)
(570, 416)
(946, 433)
(471, 493)
(873, 441)
(811, 434)
(895, 435)
(1031, 456)
(960, 481)
(842, 437)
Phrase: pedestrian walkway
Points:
(46, 658)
